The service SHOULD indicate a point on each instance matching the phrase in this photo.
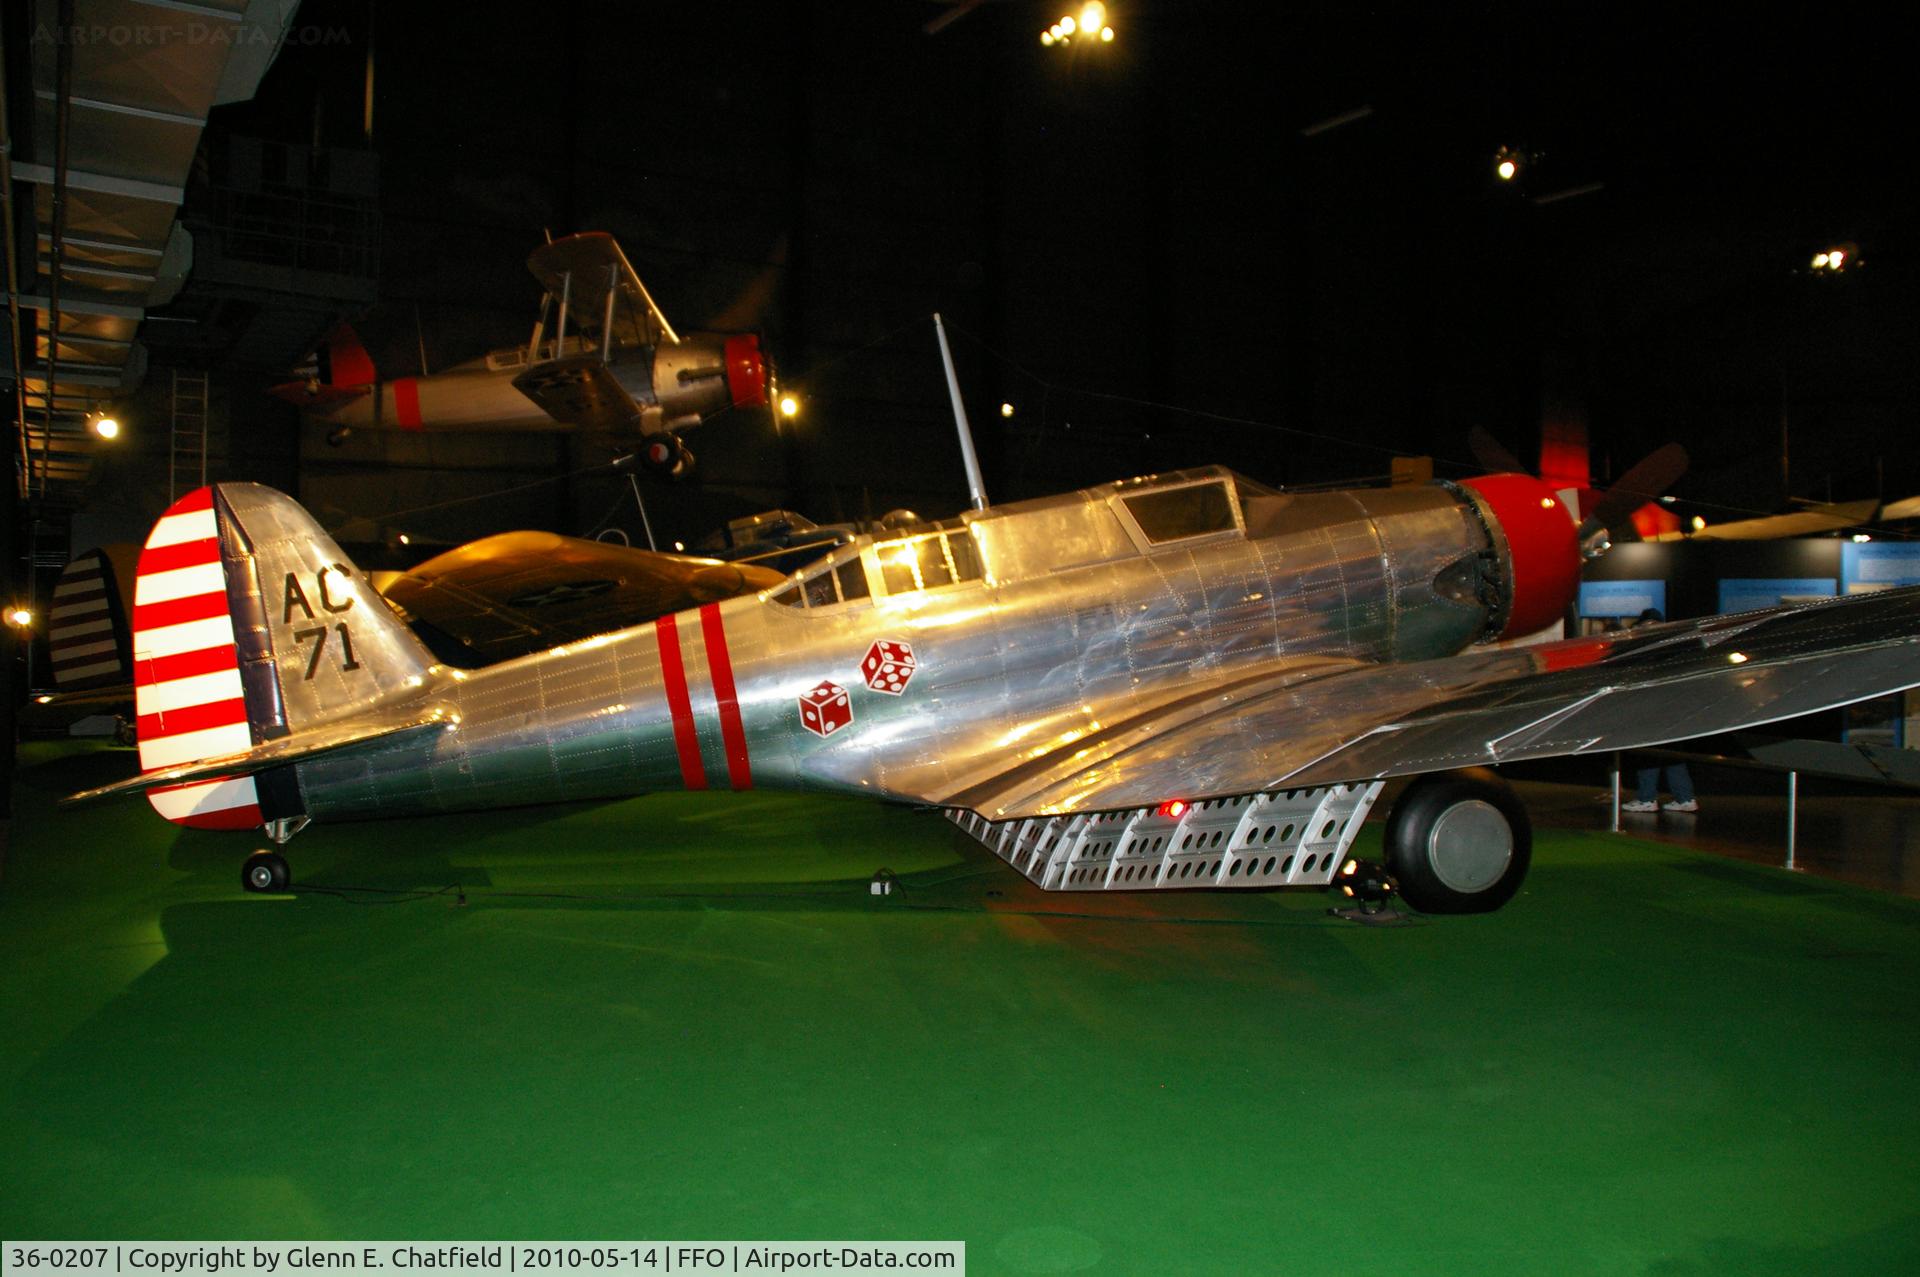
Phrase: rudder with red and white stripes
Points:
(186, 667)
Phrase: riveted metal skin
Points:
(1071, 627)
(1076, 662)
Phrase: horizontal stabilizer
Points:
(297, 748)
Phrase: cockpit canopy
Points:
(1033, 538)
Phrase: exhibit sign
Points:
(1622, 598)
(1878, 565)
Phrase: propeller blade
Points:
(1492, 454)
(1647, 481)
(748, 310)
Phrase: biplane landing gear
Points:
(266, 871)
(1459, 842)
(666, 456)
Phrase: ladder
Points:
(187, 468)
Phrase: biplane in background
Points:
(611, 362)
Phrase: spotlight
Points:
(1006, 410)
(1090, 23)
(1367, 882)
(106, 426)
(20, 617)
(1699, 524)
(789, 406)
(1506, 163)
(1174, 807)
(1832, 261)
(1861, 538)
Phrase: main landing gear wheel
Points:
(1459, 842)
(266, 871)
(665, 455)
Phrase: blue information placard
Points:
(1622, 598)
(1749, 594)
(1879, 565)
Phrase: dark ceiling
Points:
(1141, 247)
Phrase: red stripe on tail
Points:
(195, 607)
(192, 718)
(198, 499)
(187, 554)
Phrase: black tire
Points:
(667, 456)
(266, 871)
(1459, 842)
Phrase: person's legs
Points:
(1646, 791)
(1680, 784)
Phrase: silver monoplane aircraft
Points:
(1178, 681)
(623, 368)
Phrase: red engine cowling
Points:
(1542, 550)
(746, 371)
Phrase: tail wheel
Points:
(1459, 842)
(266, 871)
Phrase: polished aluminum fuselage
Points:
(1075, 626)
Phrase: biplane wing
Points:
(600, 286)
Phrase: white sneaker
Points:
(1689, 805)
(1637, 805)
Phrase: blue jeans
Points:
(1679, 783)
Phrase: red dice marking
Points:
(826, 709)
(889, 666)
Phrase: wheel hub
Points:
(1470, 846)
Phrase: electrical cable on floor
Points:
(404, 895)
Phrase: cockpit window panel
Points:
(1161, 516)
(928, 561)
(840, 578)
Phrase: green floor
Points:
(684, 1017)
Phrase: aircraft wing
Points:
(1801, 523)
(520, 592)
(584, 267)
(579, 390)
(1292, 727)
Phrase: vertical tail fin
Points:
(249, 624)
(87, 627)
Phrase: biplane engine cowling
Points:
(1540, 554)
(704, 374)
